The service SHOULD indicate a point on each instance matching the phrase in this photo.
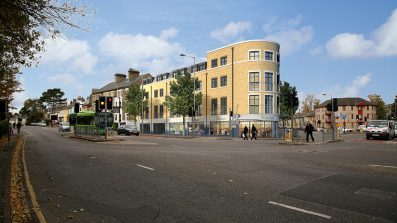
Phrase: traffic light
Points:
(333, 106)
(335, 102)
(102, 103)
(97, 106)
(109, 103)
(76, 107)
(231, 113)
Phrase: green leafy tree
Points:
(180, 100)
(32, 110)
(8, 82)
(289, 101)
(25, 24)
(134, 102)
(52, 97)
(381, 109)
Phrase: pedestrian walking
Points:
(245, 133)
(19, 125)
(309, 131)
(253, 132)
(13, 125)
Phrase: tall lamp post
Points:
(194, 89)
(332, 116)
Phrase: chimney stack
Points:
(132, 74)
(119, 77)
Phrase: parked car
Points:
(361, 128)
(380, 129)
(64, 127)
(127, 130)
(395, 129)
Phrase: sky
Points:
(339, 48)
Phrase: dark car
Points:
(127, 130)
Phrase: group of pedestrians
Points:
(12, 127)
(308, 130)
(253, 133)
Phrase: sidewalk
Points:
(5, 166)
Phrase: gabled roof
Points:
(347, 102)
(121, 84)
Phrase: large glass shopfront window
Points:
(219, 128)
(176, 128)
(196, 128)
(264, 128)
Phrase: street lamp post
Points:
(194, 90)
(332, 117)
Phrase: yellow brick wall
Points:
(242, 66)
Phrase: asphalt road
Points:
(156, 179)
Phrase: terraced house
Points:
(243, 78)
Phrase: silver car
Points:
(64, 127)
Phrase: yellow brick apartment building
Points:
(242, 77)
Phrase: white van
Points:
(380, 129)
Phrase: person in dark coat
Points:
(253, 132)
(309, 131)
(19, 125)
(245, 133)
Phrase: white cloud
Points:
(231, 31)
(350, 90)
(63, 79)
(63, 51)
(169, 33)
(153, 53)
(289, 34)
(382, 43)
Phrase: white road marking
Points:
(145, 167)
(300, 210)
(374, 165)
(175, 146)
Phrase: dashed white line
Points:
(145, 167)
(374, 165)
(300, 210)
(175, 146)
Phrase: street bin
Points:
(288, 135)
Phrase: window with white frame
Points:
(161, 92)
(223, 81)
(223, 105)
(254, 104)
(214, 106)
(254, 55)
(268, 81)
(214, 82)
(269, 55)
(161, 113)
(269, 104)
(254, 81)
(200, 85)
(223, 60)
(199, 110)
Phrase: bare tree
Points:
(309, 103)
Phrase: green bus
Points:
(91, 123)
